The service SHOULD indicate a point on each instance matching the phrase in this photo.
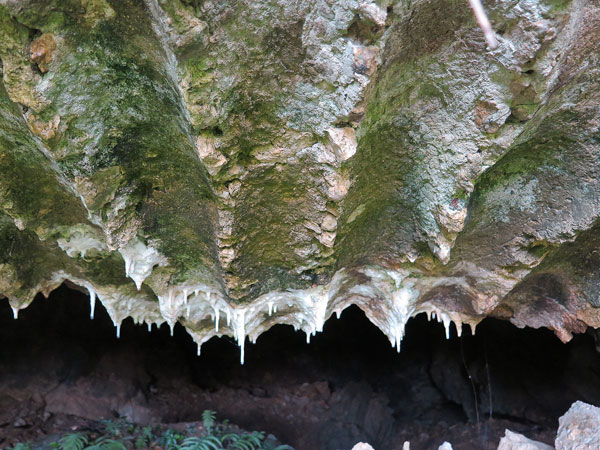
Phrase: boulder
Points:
(516, 441)
(579, 428)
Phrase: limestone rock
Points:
(185, 164)
(516, 441)
(579, 428)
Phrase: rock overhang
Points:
(183, 163)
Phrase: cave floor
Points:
(61, 371)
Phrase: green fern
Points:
(112, 427)
(22, 446)
(170, 440)
(250, 441)
(208, 420)
(205, 443)
(216, 438)
(145, 438)
(73, 441)
(105, 443)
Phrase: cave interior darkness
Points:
(348, 385)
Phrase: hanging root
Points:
(484, 23)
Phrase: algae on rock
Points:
(233, 165)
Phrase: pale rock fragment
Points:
(226, 256)
(234, 187)
(441, 248)
(345, 142)
(365, 61)
(362, 446)
(445, 446)
(19, 224)
(452, 218)
(212, 158)
(312, 226)
(327, 238)
(323, 154)
(45, 130)
(338, 186)
(372, 11)
(329, 223)
(226, 220)
(516, 441)
(579, 428)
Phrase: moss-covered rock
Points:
(274, 162)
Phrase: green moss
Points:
(32, 190)
(387, 189)
(126, 126)
(558, 5)
(55, 16)
(540, 149)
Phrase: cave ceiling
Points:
(234, 164)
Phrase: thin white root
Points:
(484, 23)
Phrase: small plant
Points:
(73, 441)
(249, 441)
(144, 438)
(203, 443)
(22, 446)
(113, 427)
(105, 443)
(122, 435)
(170, 440)
(208, 420)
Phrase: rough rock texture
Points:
(232, 164)
(578, 428)
(516, 441)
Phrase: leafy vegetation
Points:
(122, 435)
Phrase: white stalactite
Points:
(447, 323)
(217, 313)
(92, 301)
(240, 332)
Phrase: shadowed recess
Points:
(347, 385)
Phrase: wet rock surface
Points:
(274, 162)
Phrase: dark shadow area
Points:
(57, 367)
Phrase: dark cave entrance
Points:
(346, 386)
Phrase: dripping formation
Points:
(305, 310)
(348, 364)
